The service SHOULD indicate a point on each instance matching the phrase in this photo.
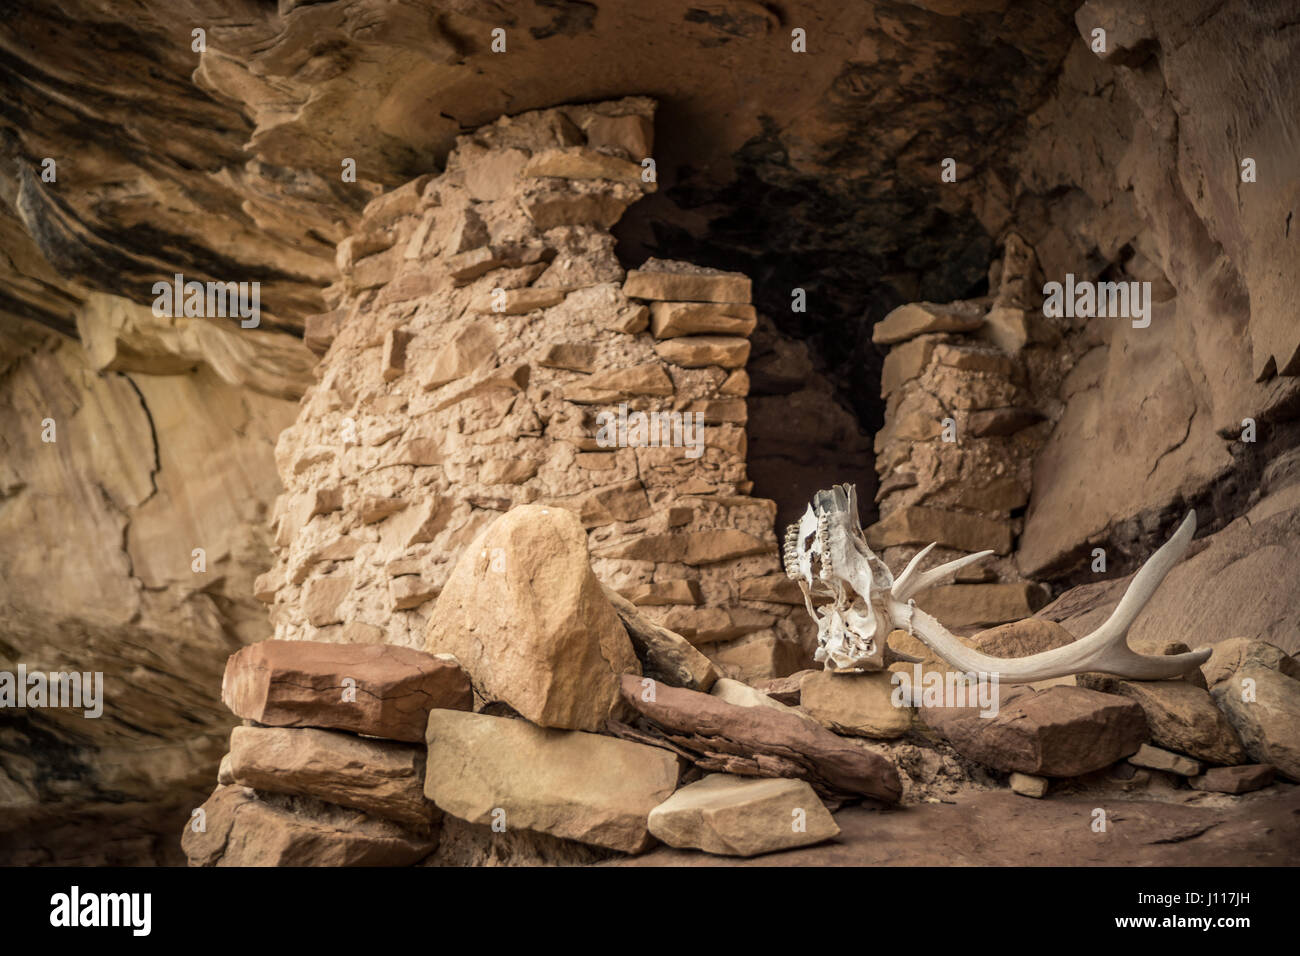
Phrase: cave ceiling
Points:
(815, 170)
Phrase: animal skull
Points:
(827, 554)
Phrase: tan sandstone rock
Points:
(918, 318)
(855, 704)
(963, 530)
(699, 351)
(1182, 717)
(742, 816)
(667, 280)
(580, 786)
(671, 319)
(243, 829)
(526, 617)
(1264, 707)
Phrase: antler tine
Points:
(911, 583)
(903, 581)
(1144, 583)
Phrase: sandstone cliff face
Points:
(99, 573)
(1155, 193)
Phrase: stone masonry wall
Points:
(966, 412)
(480, 326)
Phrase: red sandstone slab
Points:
(310, 684)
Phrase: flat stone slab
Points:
(917, 318)
(1154, 758)
(374, 689)
(667, 280)
(1239, 779)
(742, 816)
(587, 787)
(381, 777)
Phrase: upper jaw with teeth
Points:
(826, 553)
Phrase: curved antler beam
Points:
(1105, 650)
(867, 602)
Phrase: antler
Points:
(1105, 650)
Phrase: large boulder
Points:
(758, 742)
(381, 777)
(742, 816)
(1059, 732)
(240, 828)
(525, 615)
(587, 787)
(1264, 706)
(373, 689)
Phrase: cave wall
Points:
(1133, 168)
(98, 574)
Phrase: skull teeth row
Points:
(823, 526)
(790, 553)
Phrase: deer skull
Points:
(826, 553)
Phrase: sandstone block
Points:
(742, 816)
(586, 787)
(671, 319)
(962, 605)
(859, 705)
(1239, 779)
(1058, 732)
(301, 684)
(1182, 717)
(918, 524)
(1264, 707)
(579, 162)
(526, 617)
(246, 830)
(381, 777)
(1033, 635)
(700, 351)
(918, 318)
(1154, 758)
(1029, 786)
(621, 384)
(670, 281)
(576, 357)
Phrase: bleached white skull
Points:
(827, 554)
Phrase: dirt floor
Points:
(1000, 828)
